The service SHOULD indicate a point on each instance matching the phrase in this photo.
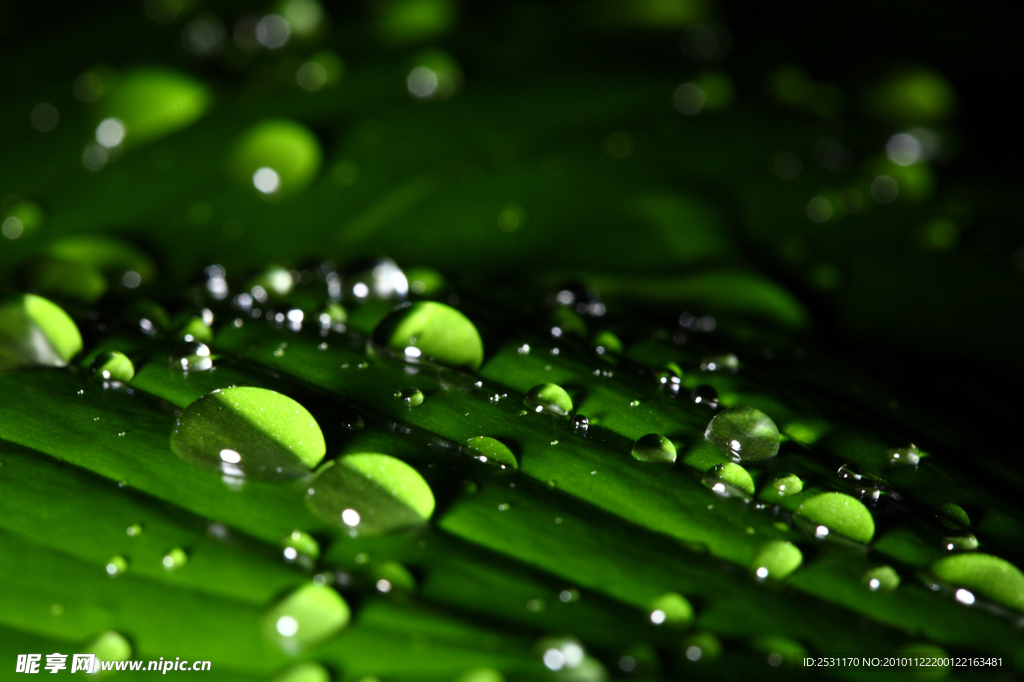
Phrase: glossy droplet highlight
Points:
(149, 103)
(308, 616)
(881, 579)
(701, 647)
(654, 448)
(426, 330)
(299, 546)
(908, 456)
(838, 513)
(670, 608)
(276, 158)
(35, 332)
(785, 486)
(720, 363)
(745, 433)
(247, 431)
(412, 397)
(549, 398)
(580, 424)
(192, 356)
(729, 479)
(371, 494)
(491, 451)
(116, 565)
(705, 395)
(374, 279)
(112, 366)
(174, 559)
(109, 646)
(960, 543)
(776, 560)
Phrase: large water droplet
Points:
(150, 103)
(309, 615)
(35, 332)
(192, 356)
(837, 513)
(492, 451)
(745, 433)
(370, 494)
(276, 157)
(654, 448)
(776, 559)
(246, 431)
(984, 575)
(954, 517)
(112, 366)
(670, 608)
(413, 397)
(729, 479)
(429, 330)
(550, 398)
(374, 279)
(881, 579)
(960, 543)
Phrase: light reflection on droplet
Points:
(266, 180)
(287, 626)
(422, 82)
(273, 31)
(110, 132)
(131, 279)
(12, 227)
(658, 616)
(903, 149)
(965, 596)
(350, 517)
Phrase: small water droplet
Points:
(412, 397)
(377, 279)
(720, 363)
(705, 395)
(654, 448)
(960, 543)
(908, 456)
(835, 512)
(881, 579)
(300, 547)
(116, 565)
(503, 506)
(954, 517)
(776, 559)
(787, 485)
(634, 403)
(549, 398)
(174, 559)
(192, 356)
(352, 422)
(568, 596)
(580, 424)
(134, 530)
(729, 480)
(849, 472)
(112, 366)
(745, 433)
(670, 608)
(491, 451)
(309, 615)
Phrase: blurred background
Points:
(846, 171)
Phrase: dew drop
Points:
(491, 451)
(374, 279)
(705, 395)
(370, 494)
(429, 330)
(701, 646)
(35, 332)
(787, 485)
(116, 565)
(580, 424)
(654, 448)
(670, 608)
(250, 432)
(174, 559)
(838, 513)
(308, 616)
(881, 579)
(954, 517)
(411, 397)
(720, 363)
(729, 480)
(300, 547)
(134, 530)
(549, 398)
(276, 157)
(776, 559)
(908, 456)
(112, 366)
(745, 433)
(960, 543)
(192, 356)
(109, 646)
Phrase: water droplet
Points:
(310, 615)
(881, 579)
(654, 448)
(607, 344)
(730, 480)
(412, 397)
(245, 431)
(430, 330)
(960, 543)
(276, 157)
(908, 456)
(790, 484)
(984, 575)
(174, 559)
(300, 547)
(36, 332)
(670, 609)
(134, 530)
(372, 279)
(150, 103)
(849, 472)
(549, 398)
(491, 451)
(109, 646)
(116, 565)
(776, 559)
(304, 672)
(746, 433)
(352, 422)
(838, 513)
(701, 646)
(192, 356)
(720, 363)
(112, 366)
(333, 316)
(370, 494)
(561, 653)
(954, 517)
(580, 424)
(778, 649)
(569, 596)
(634, 403)
(705, 395)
